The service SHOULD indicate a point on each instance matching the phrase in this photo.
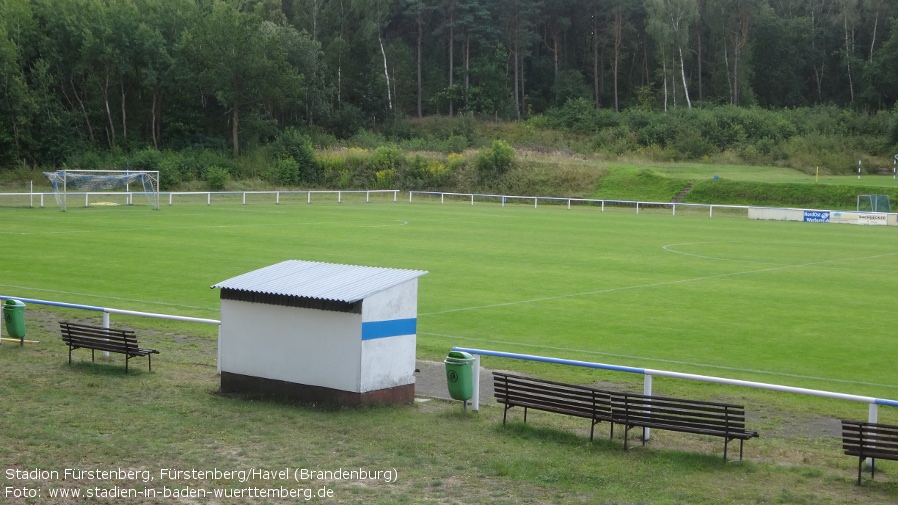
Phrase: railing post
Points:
(647, 390)
(309, 197)
(872, 417)
(472, 198)
(244, 198)
(105, 325)
(637, 207)
(209, 198)
(339, 197)
(475, 382)
(675, 209)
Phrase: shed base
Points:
(304, 393)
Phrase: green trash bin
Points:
(14, 316)
(460, 375)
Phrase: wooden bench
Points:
(549, 396)
(675, 414)
(869, 440)
(97, 338)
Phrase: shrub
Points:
(422, 173)
(893, 127)
(169, 172)
(217, 177)
(493, 161)
(292, 144)
(386, 158)
(286, 172)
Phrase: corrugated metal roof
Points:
(325, 281)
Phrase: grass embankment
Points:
(740, 185)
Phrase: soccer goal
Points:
(873, 203)
(105, 182)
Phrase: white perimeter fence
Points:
(32, 199)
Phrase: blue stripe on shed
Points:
(392, 328)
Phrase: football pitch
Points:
(798, 304)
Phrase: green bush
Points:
(493, 161)
(217, 177)
(423, 173)
(291, 144)
(286, 172)
(893, 127)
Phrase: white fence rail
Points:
(32, 199)
(128, 196)
(571, 202)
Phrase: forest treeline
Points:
(125, 75)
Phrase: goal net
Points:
(873, 203)
(105, 182)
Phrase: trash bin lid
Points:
(461, 355)
(16, 303)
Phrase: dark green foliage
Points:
(294, 159)
(492, 162)
(423, 173)
(893, 128)
(217, 177)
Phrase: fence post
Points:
(105, 325)
(475, 383)
(647, 390)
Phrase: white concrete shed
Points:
(320, 332)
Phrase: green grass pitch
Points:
(808, 305)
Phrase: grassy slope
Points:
(740, 185)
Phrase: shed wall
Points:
(304, 346)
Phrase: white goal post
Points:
(100, 181)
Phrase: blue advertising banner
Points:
(816, 216)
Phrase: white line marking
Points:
(660, 360)
(669, 247)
